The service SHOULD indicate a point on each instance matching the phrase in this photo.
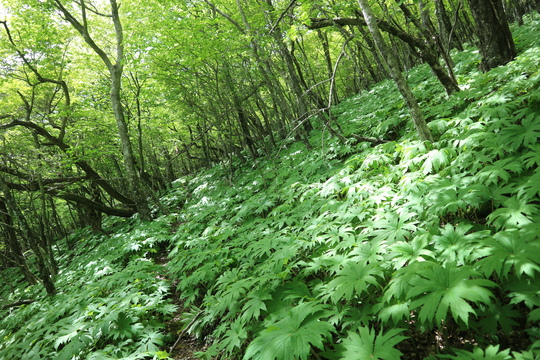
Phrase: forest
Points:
(269, 179)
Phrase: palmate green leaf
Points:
(395, 312)
(437, 159)
(498, 316)
(527, 133)
(523, 290)
(399, 285)
(511, 249)
(74, 348)
(394, 227)
(150, 342)
(68, 333)
(255, 304)
(499, 172)
(353, 279)
(491, 353)
(406, 252)
(455, 245)
(368, 252)
(439, 289)
(292, 337)
(235, 336)
(526, 355)
(351, 318)
(534, 316)
(516, 212)
(530, 188)
(366, 345)
(532, 156)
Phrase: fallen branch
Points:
(374, 141)
(18, 303)
(185, 330)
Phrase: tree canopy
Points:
(417, 207)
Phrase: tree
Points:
(495, 40)
(115, 67)
(394, 69)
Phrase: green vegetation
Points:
(405, 249)
(347, 251)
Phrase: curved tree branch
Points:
(83, 165)
(41, 79)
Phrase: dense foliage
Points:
(404, 249)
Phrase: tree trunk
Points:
(42, 262)
(10, 236)
(115, 72)
(116, 85)
(496, 44)
(393, 67)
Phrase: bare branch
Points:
(18, 303)
(226, 16)
(83, 165)
(282, 16)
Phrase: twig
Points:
(184, 331)
(281, 16)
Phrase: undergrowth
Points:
(403, 250)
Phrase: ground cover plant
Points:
(405, 249)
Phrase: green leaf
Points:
(292, 337)
(394, 227)
(511, 249)
(516, 212)
(353, 279)
(437, 159)
(439, 289)
(491, 353)
(255, 304)
(497, 316)
(501, 171)
(531, 158)
(530, 188)
(455, 245)
(396, 312)
(235, 336)
(366, 345)
(525, 134)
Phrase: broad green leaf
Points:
(367, 345)
(441, 289)
(490, 353)
(235, 336)
(525, 134)
(292, 337)
(515, 213)
(511, 249)
(354, 279)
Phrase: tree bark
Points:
(91, 174)
(423, 51)
(10, 236)
(393, 67)
(18, 303)
(115, 72)
(42, 262)
(496, 44)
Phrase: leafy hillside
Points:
(349, 250)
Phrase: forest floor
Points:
(404, 249)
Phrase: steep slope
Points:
(348, 251)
